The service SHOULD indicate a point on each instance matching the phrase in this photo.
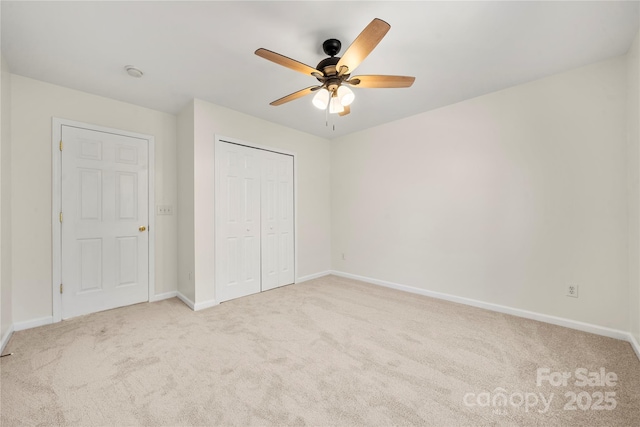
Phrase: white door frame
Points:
(56, 199)
(221, 138)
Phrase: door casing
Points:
(56, 199)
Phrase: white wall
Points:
(6, 316)
(312, 193)
(505, 198)
(633, 126)
(33, 104)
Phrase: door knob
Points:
(142, 228)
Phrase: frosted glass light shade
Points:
(345, 95)
(321, 99)
(335, 106)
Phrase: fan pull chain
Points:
(326, 116)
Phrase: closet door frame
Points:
(221, 138)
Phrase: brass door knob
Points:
(142, 228)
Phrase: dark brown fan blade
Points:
(286, 62)
(381, 81)
(363, 44)
(346, 111)
(295, 95)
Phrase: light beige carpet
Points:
(331, 351)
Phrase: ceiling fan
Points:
(334, 73)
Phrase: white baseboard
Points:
(196, 306)
(166, 295)
(313, 276)
(5, 338)
(21, 326)
(205, 304)
(560, 321)
(634, 344)
(185, 300)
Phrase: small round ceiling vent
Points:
(133, 71)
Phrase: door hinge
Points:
(61, 145)
(60, 287)
(60, 216)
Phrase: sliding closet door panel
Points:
(237, 221)
(277, 220)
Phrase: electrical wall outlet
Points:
(164, 209)
(572, 291)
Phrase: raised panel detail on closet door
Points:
(237, 241)
(286, 221)
(269, 222)
(277, 220)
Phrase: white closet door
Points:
(237, 245)
(105, 243)
(254, 220)
(277, 220)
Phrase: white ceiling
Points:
(456, 50)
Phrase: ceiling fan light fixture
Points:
(335, 106)
(345, 95)
(321, 99)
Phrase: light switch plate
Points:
(164, 210)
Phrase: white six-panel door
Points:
(104, 237)
(254, 220)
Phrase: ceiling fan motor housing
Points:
(328, 65)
